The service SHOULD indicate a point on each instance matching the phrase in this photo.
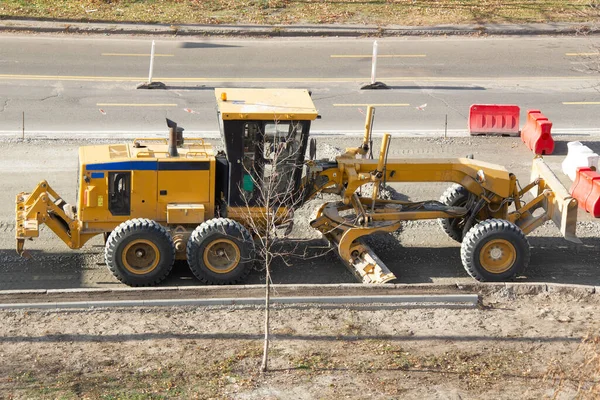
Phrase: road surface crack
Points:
(50, 97)
(4, 105)
(448, 106)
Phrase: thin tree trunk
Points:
(264, 365)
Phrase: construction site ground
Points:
(515, 345)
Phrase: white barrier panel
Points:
(578, 155)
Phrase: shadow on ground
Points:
(312, 262)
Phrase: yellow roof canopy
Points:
(265, 104)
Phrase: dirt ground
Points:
(511, 347)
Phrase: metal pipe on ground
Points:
(469, 300)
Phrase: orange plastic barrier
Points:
(586, 189)
(494, 119)
(537, 133)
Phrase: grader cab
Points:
(158, 200)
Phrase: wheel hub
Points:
(496, 253)
(497, 256)
(222, 256)
(140, 256)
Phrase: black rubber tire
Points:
(208, 233)
(455, 196)
(486, 233)
(139, 229)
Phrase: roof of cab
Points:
(265, 104)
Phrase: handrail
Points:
(196, 153)
(162, 140)
(194, 141)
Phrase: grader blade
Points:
(358, 257)
(366, 266)
(558, 204)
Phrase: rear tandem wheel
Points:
(220, 251)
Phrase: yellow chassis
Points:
(493, 186)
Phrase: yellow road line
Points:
(374, 105)
(134, 105)
(289, 79)
(378, 56)
(580, 103)
(581, 54)
(135, 55)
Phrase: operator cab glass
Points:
(265, 133)
(272, 157)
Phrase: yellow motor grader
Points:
(158, 200)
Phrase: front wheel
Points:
(495, 250)
(220, 251)
(139, 252)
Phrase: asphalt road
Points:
(69, 86)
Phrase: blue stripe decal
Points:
(123, 166)
(96, 175)
(149, 166)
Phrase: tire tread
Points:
(478, 232)
(228, 227)
(121, 232)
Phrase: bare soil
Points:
(512, 346)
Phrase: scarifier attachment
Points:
(354, 253)
(42, 206)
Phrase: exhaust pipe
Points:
(172, 138)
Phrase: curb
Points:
(183, 295)
(40, 26)
(440, 300)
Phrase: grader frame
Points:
(492, 210)
(493, 189)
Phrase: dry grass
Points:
(377, 12)
(582, 382)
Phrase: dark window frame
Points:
(119, 198)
